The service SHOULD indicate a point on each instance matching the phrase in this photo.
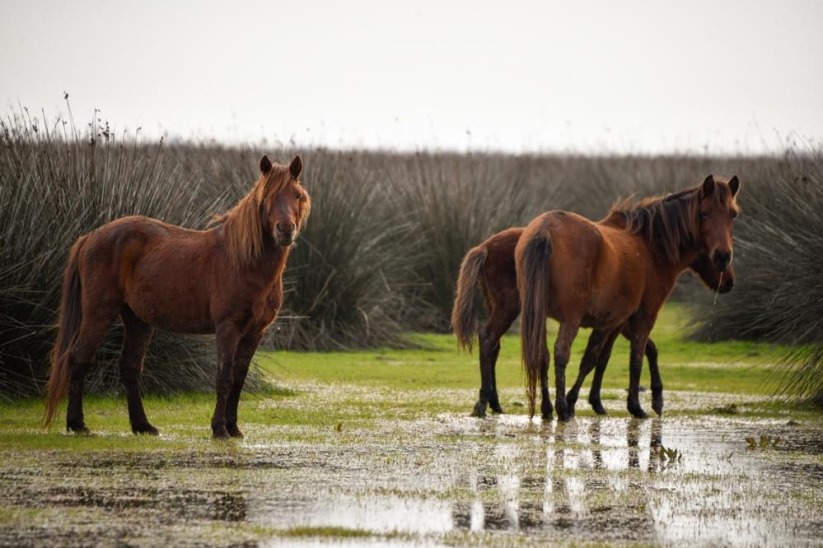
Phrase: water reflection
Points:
(567, 455)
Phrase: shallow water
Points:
(432, 480)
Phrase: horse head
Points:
(717, 209)
(722, 282)
(284, 203)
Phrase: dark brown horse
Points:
(597, 275)
(225, 280)
(491, 266)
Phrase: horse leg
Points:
(589, 361)
(228, 338)
(502, 318)
(562, 351)
(545, 397)
(242, 359)
(90, 336)
(656, 379)
(136, 337)
(638, 348)
(600, 369)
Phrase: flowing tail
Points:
(70, 316)
(533, 284)
(464, 313)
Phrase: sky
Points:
(640, 77)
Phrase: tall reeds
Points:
(381, 251)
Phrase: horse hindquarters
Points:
(88, 308)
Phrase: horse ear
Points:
(734, 185)
(296, 167)
(707, 188)
(265, 165)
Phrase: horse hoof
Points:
(479, 410)
(495, 407)
(598, 408)
(146, 429)
(78, 428)
(639, 413)
(233, 431)
(657, 405)
(220, 433)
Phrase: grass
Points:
(401, 384)
(732, 367)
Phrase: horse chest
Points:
(269, 308)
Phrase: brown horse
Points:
(596, 275)
(491, 265)
(225, 280)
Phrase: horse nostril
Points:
(286, 227)
(722, 259)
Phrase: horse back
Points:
(596, 272)
(163, 273)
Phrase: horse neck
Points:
(272, 261)
(669, 268)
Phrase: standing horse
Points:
(491, 265)
(226, 280)
(597, 275)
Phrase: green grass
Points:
(320, 532)
(379, 384)
(734, 367)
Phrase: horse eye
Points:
(734, 214)
(703, 215)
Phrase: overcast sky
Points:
(605, 76)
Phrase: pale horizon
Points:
(548, 77)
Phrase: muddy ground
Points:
(418, 477)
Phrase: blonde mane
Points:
(243, 224)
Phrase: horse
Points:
(595, 274)
(226, 280)
(491, 266)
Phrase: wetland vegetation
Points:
(358, 427)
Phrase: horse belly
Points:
(171, 295)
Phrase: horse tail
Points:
(464, 313)
(533, 284)
(68, 324)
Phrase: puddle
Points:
(438, 479)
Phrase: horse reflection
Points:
(559, 494)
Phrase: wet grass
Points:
(378, 447)
(733, 367)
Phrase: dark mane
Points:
(670, 221)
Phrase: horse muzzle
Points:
(721, 260)
(285, 234)
(285, 239)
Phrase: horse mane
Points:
(243, 224)
(671, 220)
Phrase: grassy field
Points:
(733, 367)
(737, 368)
